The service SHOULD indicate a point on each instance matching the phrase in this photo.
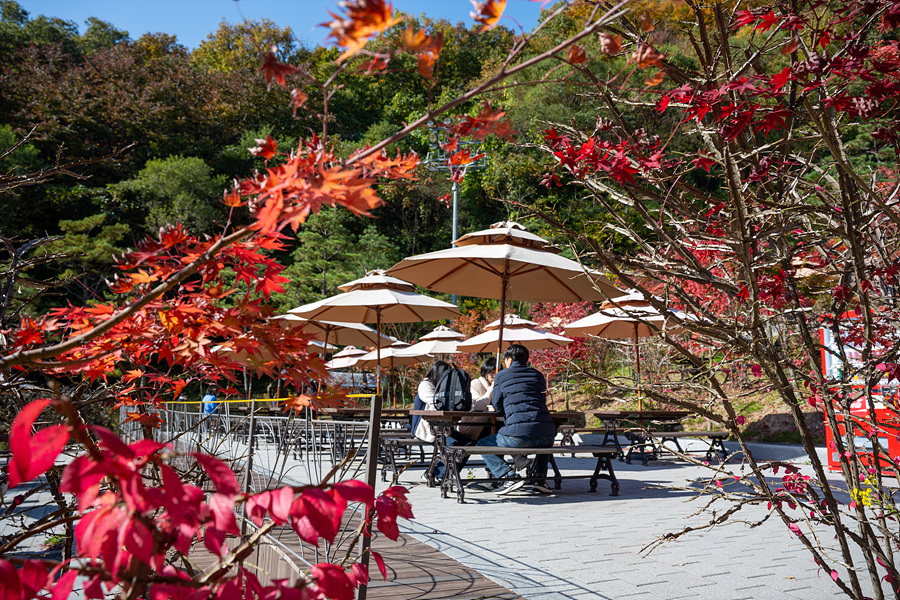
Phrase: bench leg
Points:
(604, 462)
(663, 439)
(717, 447)
(638, 443)
(557, 476)
(390, 449)
(452, 457)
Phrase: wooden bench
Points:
(610, 435)
(652, 440)
(393, 446)
(452, 456)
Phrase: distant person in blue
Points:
(210, 403)
(520, 396)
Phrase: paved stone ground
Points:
(575, 544)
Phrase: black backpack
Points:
(453, 391)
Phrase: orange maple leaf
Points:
(647, 56)
(149, 420)
(298, 99)
(576, 55)
(463, 157)
(132, 375)
(488, 13)
(610, 44)
(363, 20)
(656, 79)
(487, 122)
(415, 41)
(233, 199)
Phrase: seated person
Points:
(520, 395)
(425, 398)
(474, 428)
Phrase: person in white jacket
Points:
(425, 395)
(474, 428)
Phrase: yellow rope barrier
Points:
(257, 399)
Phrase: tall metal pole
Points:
(372, 452)
(455, 222)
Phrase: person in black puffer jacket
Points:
(520, 395)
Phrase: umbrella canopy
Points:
(334, 332)
(378, 299)
(432, 347)
(442, 332)
(319, 347)
(511, 321)
(630, 316)
(533, 339)
(390, 357)
(627, 317)
(505, 262)
(345, 358)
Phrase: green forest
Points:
(175, 127)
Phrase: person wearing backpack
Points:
(445, 387)
(474, 428)
(520, 396)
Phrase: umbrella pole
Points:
(372, 451)
(324, 354)
(637, 358)
(502, 320)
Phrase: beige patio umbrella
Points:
(333, 332)
(514, 332)
(390, 357)
(627, 317)
(377, 298)
(442, 340)
(397, 345)
(318, 347)
(505, 262)
(442, 332)
(346, 358)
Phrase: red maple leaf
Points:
(266, 148)
(703, 162)
(33, 455)
(275, 69)
(780, 79)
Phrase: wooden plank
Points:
(415, 570)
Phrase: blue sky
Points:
(193, 20)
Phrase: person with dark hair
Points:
(520, 395)
(473, 428)
(425, 395)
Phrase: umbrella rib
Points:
(561, 282)
(466, 261)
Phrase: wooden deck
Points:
(415, 570)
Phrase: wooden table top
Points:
(451, 415)
(364, 410)
(638, 414)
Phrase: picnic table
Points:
(665, 420)
(444, 421)
(390, 417)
